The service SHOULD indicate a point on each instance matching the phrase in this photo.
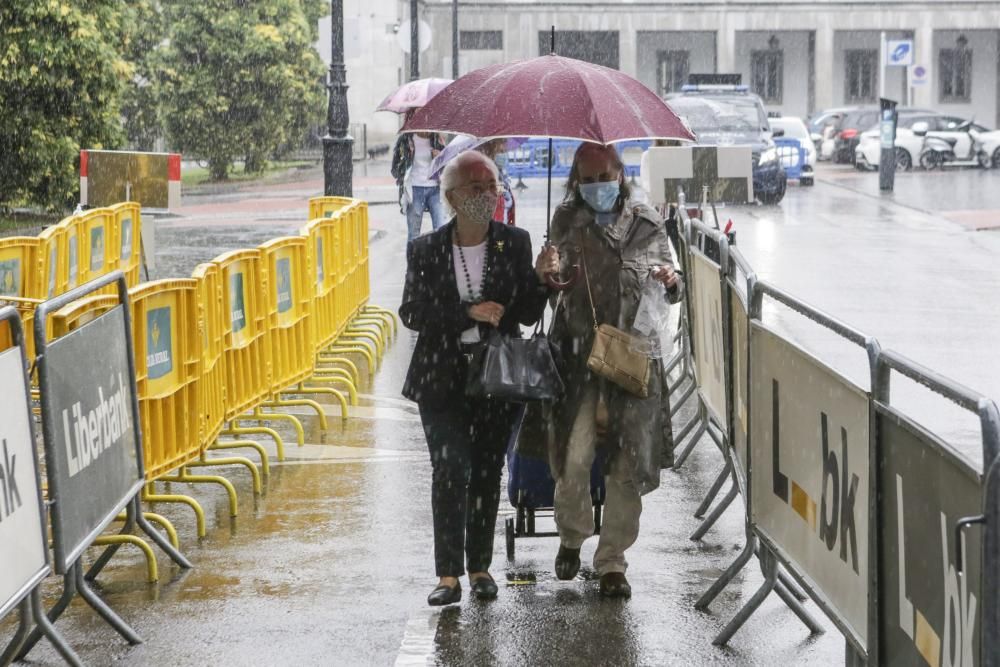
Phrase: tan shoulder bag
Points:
(615, 354)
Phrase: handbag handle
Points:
(586, 278)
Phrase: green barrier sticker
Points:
(126, 249)
(97, 248)
(319, 261)
(159, 351)
(236, 305)
(10, 277)
(284, 285)
(53, 258)
(74, 262)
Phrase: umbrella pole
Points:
(548, 195)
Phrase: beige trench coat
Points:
(618, 259)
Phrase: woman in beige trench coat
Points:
(620, 243)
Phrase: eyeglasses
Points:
(480, 188)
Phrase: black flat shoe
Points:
(484, 588)
(615, 585)
(443, 595)
(567, 563)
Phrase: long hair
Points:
(573, 195)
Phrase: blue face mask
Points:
(600, 196)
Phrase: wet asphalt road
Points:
(331, 566)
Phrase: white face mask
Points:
(478, 208)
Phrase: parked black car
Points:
(861, 120)
(849, 130)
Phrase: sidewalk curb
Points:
(879, 198)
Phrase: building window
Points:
(672, 68)
(955, 72)
(480, 40)
(861, 76)
(767, 72)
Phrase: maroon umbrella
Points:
(550, 96)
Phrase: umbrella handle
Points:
(552, 280)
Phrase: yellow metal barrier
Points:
(289, 306)
(322, 244)
(168, 367)
(52, 259)
(20, 281)
(326, 207)
(247, 348)
(212, 384)
(97, 243)
(247, 351)
(127, 242)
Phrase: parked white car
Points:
(791, 127)
(909, 145)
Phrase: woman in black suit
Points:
(462, 279)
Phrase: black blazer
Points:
(433, 308)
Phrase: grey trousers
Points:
(573, 505)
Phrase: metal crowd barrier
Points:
(93, 444)
(792, 155)
(79, 248)
(24, 532)
(531, 159)
(861, 506)
(250, 330)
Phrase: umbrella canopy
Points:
(412, 95)
(459, 145)
(550, 96)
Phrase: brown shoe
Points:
(615, 585)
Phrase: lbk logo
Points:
(126, 232)
(236, 304)
(10, 277)
(284, 267)
(74, 261)
(159, 351)
(97, 248)
(949, 641)
(319, 261)
(836, 519)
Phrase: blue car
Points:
(730, 115)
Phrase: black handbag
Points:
(514, 369)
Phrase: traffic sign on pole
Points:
(899, 52)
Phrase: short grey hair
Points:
(454, 171)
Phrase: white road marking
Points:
(417, 647)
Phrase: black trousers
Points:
(467, 442)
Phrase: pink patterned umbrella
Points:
(550, 96)
(412, 95)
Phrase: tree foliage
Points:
(61, 81)
(238, 79)
(142, 33)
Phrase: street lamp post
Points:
(338, 168)
(414, 41)
(454, 39)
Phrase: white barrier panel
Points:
(22, 531)
(726, 170)
(94, 463)
(927, 611)
(810, 481)
(707, 333)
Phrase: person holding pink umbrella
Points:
(418, 192)
(413, 154)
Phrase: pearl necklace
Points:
(472, 296)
